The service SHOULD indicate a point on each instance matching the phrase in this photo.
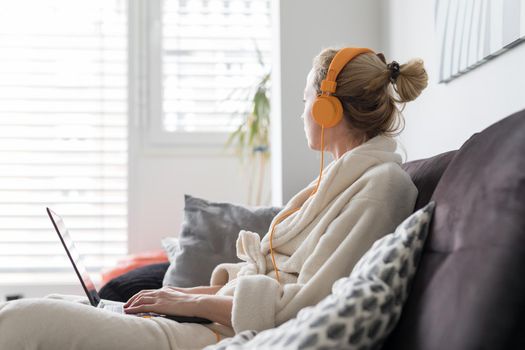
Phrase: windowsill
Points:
(41, 279)
(39, 285)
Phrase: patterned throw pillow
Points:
(363, 308)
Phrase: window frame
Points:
(145, 16)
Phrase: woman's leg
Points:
(58, 324)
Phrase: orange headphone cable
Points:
(217, 335)
(291, 211)
(322, 163)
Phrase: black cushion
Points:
(123, 287)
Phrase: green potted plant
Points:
(251, 138)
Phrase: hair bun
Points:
(411, 80)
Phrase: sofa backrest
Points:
(469, 291)
(426, 173)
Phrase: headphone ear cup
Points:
(327, 111)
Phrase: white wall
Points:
(446, 115)
(158, 180)
(305, 27)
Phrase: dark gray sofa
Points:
(469, 291)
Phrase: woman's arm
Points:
(193, 290)
(217, 308)
(198, 290)
(167, 301)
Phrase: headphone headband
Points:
(327, 110)
(341, 58)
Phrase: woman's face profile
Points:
(312, 130)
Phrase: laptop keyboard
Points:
(118, 308)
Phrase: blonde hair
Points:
(368, 96)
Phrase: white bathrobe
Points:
(362, 196)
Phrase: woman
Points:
(319, 236)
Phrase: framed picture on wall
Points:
(470, 32)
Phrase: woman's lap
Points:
(58, 324)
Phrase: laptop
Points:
(87, 282)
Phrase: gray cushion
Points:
(208, 236)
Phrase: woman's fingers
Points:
(143, 300)
(162, 301)
(138, 295)
(133, 298)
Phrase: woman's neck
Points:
(343, 145)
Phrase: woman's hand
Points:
(163, 301)
(167, 301)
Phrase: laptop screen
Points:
(74, 257)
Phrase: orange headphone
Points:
(327, 111)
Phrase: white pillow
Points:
(363, 308)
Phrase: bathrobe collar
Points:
(337, 177)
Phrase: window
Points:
(208, 66)
(67, 68)
(63, 134)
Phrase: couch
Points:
(468, 292)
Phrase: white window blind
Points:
(63, 134)
(209, 61)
